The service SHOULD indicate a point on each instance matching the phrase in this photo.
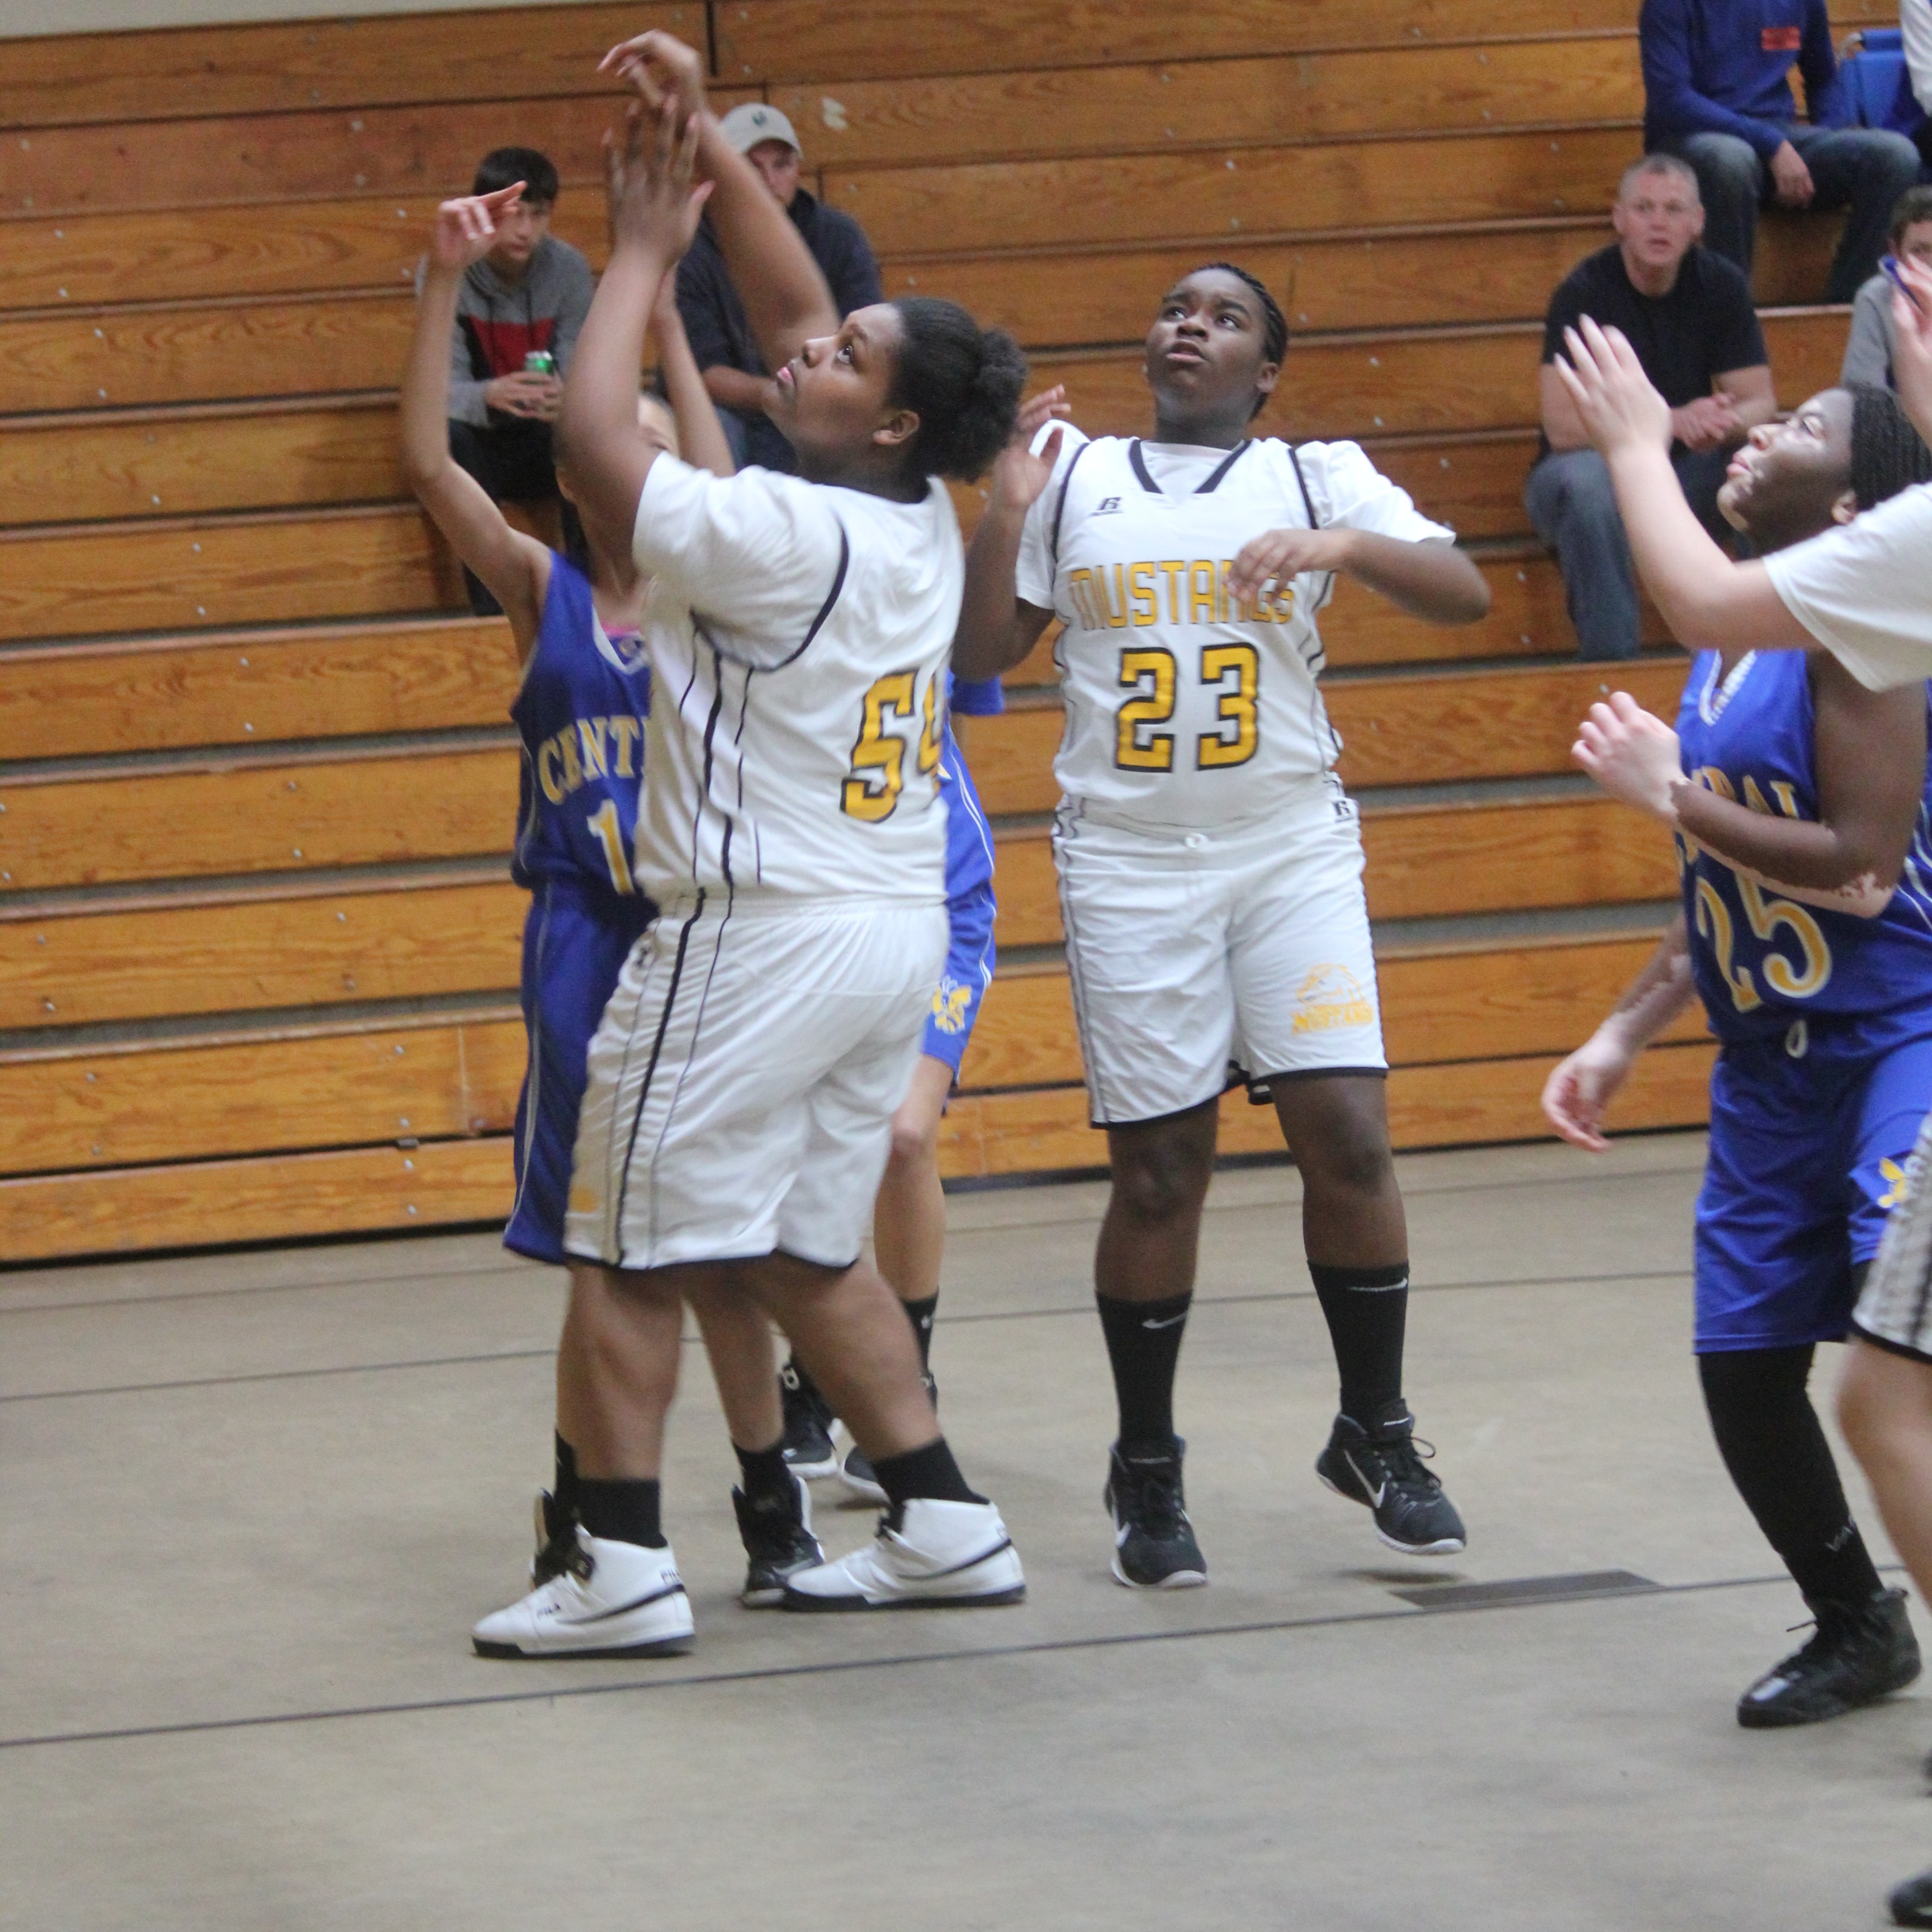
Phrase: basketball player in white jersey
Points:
(1211, 866)
(737, 1117)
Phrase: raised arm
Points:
(1580, 1089)
(1869, 749)
(1912, 345)
(996, 629)
(654, 212)
(786, 300)
(700, 435)
(1708, 600)
(515, 568)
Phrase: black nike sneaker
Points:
(1861, 1652)
(807, 1441)
(777, 1539)
(1382, 1469)
(1911, 1902)
(1154, 1547)
(556, 1540)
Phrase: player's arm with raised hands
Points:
(700, 435)
(515, 568)
(1709, 601)
(786, 299)
(1911, 344)
(997, 626)
(1869, 755)
(654, 210)
(1578, 1091)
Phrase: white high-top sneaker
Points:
(613, 1600)
(941, 1555)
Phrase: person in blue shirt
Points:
(580, 712)
(1802, 808)
(1717, 80)
(909, 1216)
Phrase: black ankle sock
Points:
(920, 1314)
(929, 1474)
(1144, 1345)
(1367, 1310)
(564, 1494)
(1775, 1447)
(620, 1510)
(763, 1473)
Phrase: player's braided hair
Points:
(1274, 324)
(964, 382)
(1887, 454)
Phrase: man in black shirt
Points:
(1689, 316)
(714, 317)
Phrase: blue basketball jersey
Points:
(581, 713)
(1761, 961)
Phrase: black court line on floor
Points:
(552, 1693)
(1202, 1303)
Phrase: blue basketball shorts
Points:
(969, 972)
(1807, 1159)
(575, 942)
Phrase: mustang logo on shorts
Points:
(1899, 1187)
(950, 1004)
(584, 1201)
(1331, 996)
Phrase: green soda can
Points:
(539, 362)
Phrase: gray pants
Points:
(1574, 509)
(1864, 170)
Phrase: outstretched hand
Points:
(648, 172)
(1578, 1091)
(1633, 755)
(466, 228)
(1616, 400)
(1020, 473)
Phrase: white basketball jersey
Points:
(1184, 705)
(799, 637)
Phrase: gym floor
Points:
(253, 1503)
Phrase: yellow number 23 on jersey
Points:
(1232, 670)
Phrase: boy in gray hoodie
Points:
(525, 299)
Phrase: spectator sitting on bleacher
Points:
(1717, 78)
(714, 318)
(1868, 352)
(1688, 313)
(528, 297)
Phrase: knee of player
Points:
(1868, 1422)
(1162, 1184)
(915, 1143)
(1357, 1158)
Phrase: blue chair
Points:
(1878, 89)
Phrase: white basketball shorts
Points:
(1191, 950)
(741, 1087)
(1895, 1305)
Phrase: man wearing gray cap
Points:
(714, 318)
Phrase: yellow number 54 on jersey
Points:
(872, 789)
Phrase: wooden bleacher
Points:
(258, 949)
